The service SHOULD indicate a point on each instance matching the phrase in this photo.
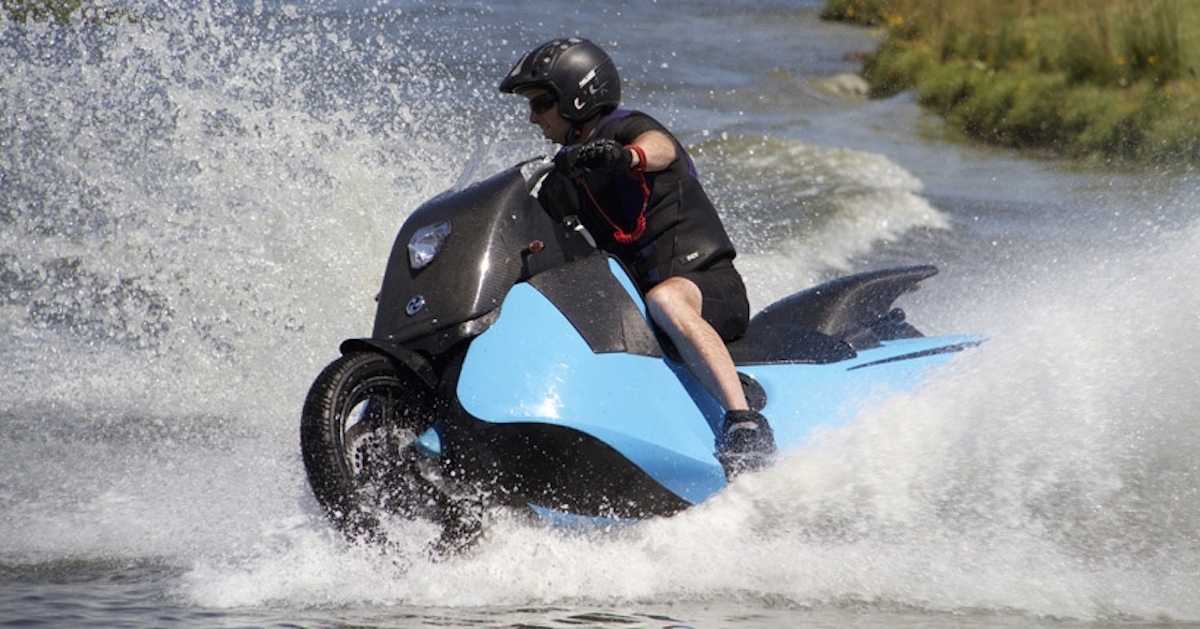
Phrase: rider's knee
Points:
(674, 302)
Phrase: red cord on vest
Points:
(638, 172)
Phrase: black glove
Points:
(595, 156)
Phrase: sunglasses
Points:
(543, 103)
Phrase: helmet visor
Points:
(542, 103)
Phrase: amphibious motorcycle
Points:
(512, 364)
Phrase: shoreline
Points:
(1116, 84)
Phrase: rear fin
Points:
(828, 323)
(846, 305)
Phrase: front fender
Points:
(403, 355)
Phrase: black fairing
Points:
(558, 468)
(493, 224)
(597, 305)
(832, 321)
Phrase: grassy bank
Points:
(1114, 79)
(41, 10)
(61, 11)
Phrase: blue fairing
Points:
(532, 366)
(805, 397)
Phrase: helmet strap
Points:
(574, 134)
(580, 130)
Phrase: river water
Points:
(196, 203)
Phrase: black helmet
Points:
(580, 75)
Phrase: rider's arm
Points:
(659, 148)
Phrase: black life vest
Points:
(683, 231)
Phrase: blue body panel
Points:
(532, 366)
(805, 397)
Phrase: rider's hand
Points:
(595, 156)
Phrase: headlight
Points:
(426, 243)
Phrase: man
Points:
(635, 189)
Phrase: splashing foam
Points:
(195, 218)
(816, 212)
(208, 196)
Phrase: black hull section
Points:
(556, 468)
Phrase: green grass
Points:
(1105, 78)
(61, 11)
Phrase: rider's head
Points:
(568, 82)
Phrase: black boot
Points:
(747, 442)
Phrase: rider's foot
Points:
(747, 442)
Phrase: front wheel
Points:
(357, 434)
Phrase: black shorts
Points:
(725, 306)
